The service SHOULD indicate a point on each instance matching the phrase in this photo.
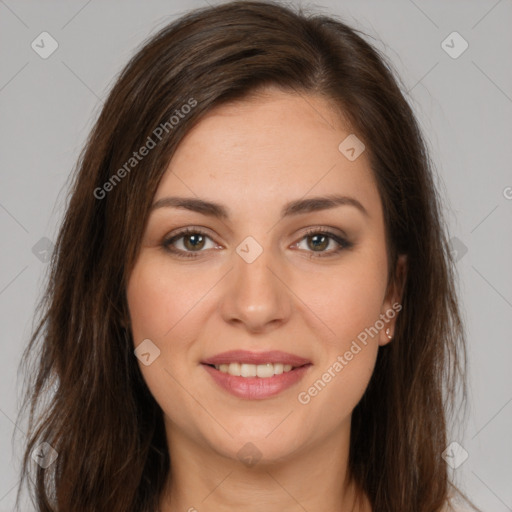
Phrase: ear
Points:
(392, 302)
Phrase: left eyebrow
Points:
(314, 204)
(296, 207)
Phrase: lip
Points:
(256, 388)
(245, 356)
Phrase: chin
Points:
(261, 444)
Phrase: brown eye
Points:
(192, 241)
(318, 240)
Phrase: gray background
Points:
(464, 105)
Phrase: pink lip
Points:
(256, 388)
(244, 356)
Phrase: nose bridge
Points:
(255, 296)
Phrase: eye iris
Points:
(322, 245)
(199, 239)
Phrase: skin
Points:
(253, 156)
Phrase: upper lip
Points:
(247, 357)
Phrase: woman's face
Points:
(264, 280)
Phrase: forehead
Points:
(267, 150)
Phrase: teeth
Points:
(264, 371)
(248, 370)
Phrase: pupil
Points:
(322, 245)
(195, 243)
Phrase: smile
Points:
(263, 371)
(253, 387)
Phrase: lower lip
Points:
(256, 388)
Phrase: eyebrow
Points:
(296, 207)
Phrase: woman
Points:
(251, 303)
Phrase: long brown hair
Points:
(100, 417)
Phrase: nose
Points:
(256, 296)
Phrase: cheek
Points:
(348, 356)
(348, 298)
(164, 305)
(160, 300)
(349, 302)
(339, 386)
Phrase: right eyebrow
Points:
(193, 204)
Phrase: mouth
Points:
(252, 375)
(261, 371)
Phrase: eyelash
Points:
(342, 242)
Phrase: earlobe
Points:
(386, 334)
